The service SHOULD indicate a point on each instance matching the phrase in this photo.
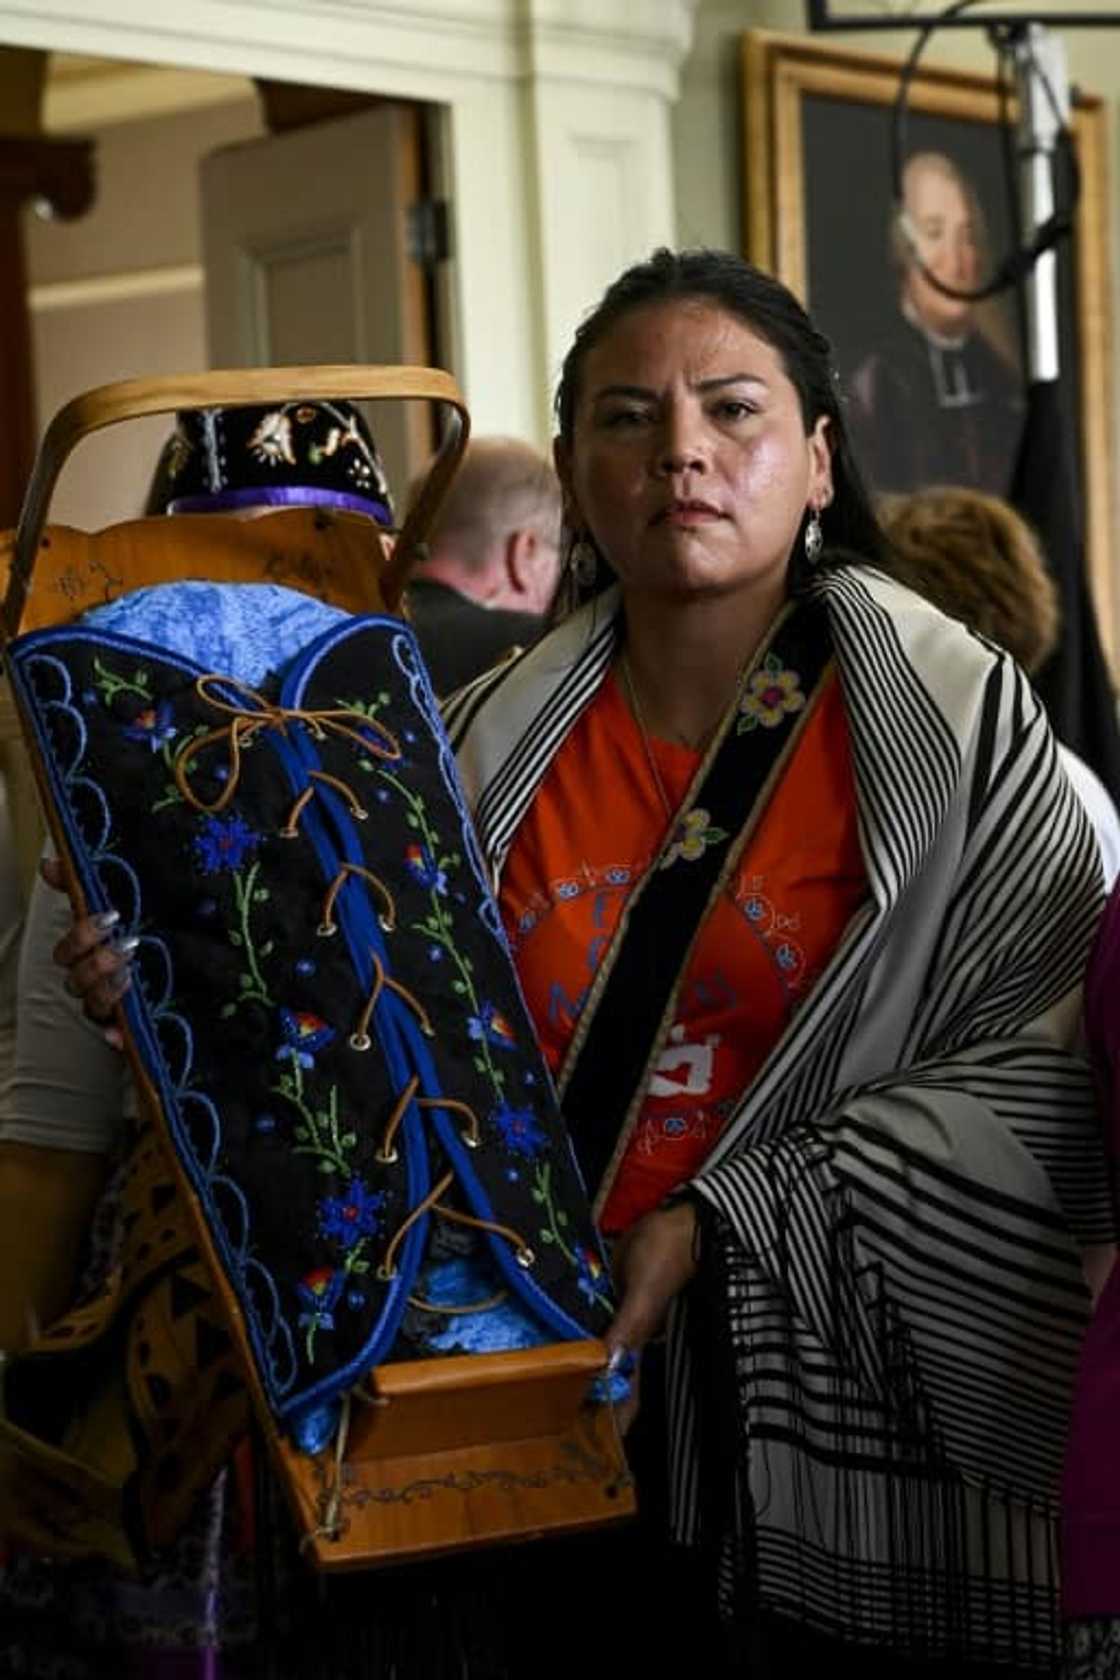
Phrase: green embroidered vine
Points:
(439, 925)
(171, 794)
(108, 684)
(320, 1133)
(553, 1234)
(253, 988)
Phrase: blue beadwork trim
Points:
(273, 1344)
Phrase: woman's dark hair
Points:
(851, 528)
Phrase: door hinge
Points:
(428, 231)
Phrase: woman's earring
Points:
(814, 538)
(584, 563)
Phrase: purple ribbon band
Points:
(284, 495)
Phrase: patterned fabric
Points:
(568, 877)
(1093, 1650)
(1091, 1480)
(625, 1025)
(245, 630)
(898, 1197)
(300, 453)
(325, 1007)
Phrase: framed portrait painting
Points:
(934, 385)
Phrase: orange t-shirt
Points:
(592, 830)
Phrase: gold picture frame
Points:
(781, 75)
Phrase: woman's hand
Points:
(652, 1264)
(96, 963)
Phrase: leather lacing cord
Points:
(523, 1254)
(246, 724)
(387, 1155)
(387, 920)
(387, 1271)
(359, 1038)
(290, 830)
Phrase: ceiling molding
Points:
(371, 44)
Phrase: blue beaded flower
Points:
(491, 1027)
(224, 843)
(519, 1129)
(350, 1217)
(153, 725)
(304, 1036)
(421, 865)
(319, 1292)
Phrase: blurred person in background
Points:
(978, 560)
(493, 562)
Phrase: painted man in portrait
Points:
(936, 402)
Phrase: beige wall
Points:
(119, 293)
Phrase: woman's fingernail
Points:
(105, 919)
(126, 947)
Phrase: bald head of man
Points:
(497, 539)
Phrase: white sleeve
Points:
(1100, 810)
(68, 1087)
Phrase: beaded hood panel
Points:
(324, 1004)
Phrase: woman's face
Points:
(689, 462)
(945, 230)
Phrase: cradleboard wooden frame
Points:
(439, 1453)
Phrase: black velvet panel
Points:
(248, 1012)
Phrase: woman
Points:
(772, 836)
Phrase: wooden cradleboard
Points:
(383, 1457)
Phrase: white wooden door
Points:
(306, 252)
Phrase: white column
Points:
(603, 77)
(558, 145)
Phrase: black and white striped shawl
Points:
(897, 1202)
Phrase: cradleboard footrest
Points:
(480, 1448)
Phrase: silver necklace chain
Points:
(647, 745)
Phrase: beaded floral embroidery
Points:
(773, 694)
(434, 867)
(148, 721)
(289, 1088)
(693, 834)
